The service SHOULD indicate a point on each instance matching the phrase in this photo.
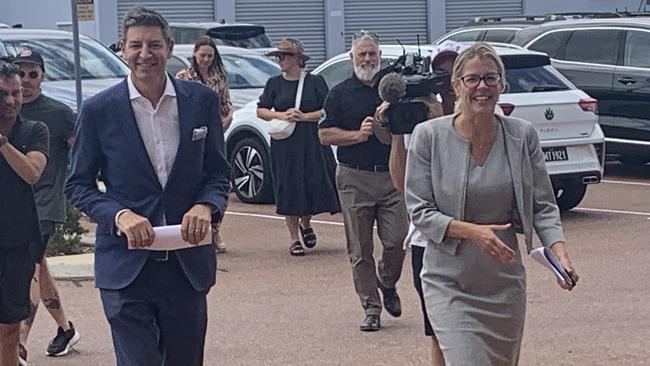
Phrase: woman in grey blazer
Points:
(472, 180)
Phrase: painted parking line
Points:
(602, 210)
(280, 218)
(624, 182)
(578, 209)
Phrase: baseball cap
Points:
(29, 56)
(446, 49)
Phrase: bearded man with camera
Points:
(363, 182)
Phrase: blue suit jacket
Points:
(107, 140)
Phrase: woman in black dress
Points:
(302, 168)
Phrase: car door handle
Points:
(627, 81)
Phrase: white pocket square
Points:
(199, 133)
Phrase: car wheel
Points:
(569, 194)
(634, 159)
(251, 172)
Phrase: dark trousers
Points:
(159, 319)
(417, 257)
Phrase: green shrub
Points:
(67, 237)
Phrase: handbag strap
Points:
(301, 82)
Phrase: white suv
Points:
(565, 118)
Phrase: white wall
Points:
(44, 14)
(35, 13)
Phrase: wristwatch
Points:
(3, 140)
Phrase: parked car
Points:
(247, 70)
(610, 60)
(492, 29)
(605, 54)
(100, 67)
(240, 35)
(565, 118)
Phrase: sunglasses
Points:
(363, 33)
(284, 56)
(32, 74)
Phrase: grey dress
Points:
(476, 304)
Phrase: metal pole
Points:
(77, 59)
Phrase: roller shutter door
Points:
(392, 20)
(458, 12)
(301, 19)
(173, 11)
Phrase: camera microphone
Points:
(392, 88)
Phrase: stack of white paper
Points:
(546, 257)
(170, 238)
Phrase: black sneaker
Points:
(22, 355)
(64, 340)
(392, 303)
(371, 323)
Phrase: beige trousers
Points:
(368, 198)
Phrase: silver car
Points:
(247, 70)
(100, 67)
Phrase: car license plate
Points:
(555, 154)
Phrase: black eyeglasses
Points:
(472, 81)
(363, 33)
(32, 74)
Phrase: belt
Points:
(367, 168)
(162, 256)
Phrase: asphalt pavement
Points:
(269, 308)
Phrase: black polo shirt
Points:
(346, 106)
(18, 217)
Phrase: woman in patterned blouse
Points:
(208, 69)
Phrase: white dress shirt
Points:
(159, 129)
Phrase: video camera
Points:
(410, 77)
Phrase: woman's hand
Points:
(486, 239)
(294, 115)
(562, 254)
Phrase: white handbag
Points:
(280, 129)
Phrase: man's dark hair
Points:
(144, 17)
(8, 67)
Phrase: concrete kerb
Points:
(74, 267)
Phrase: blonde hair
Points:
(481, 50)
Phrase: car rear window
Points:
(533, 80)
(240, 36)
(531, 73)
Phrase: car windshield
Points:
(533, 79)
(248, 71)
(97, 61)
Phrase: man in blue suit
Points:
(159, 146)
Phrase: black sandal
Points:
(296, 249)
(308, 236)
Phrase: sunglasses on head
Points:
(31, 74)
(363, 33)
(8, 67)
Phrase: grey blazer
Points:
(436, 177)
